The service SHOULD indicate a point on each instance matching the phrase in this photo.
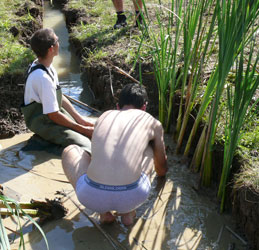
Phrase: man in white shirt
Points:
(47, 112)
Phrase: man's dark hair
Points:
(133, 94)
(41, 41)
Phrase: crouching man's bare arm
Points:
(158, 145)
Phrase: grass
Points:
(98, 34)
(250, 139)
(248, 177)
(14, 56)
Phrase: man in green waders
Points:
(47, 112)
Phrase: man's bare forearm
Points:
(66, 104)
(160, 165)
(62, 120)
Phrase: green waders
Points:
(41, 125)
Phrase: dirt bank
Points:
(11, 85)
(105, 76)
(246, 211)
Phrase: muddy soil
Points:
(246, 213)
(11, 95)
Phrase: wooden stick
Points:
(236, 235)
(124, 73)
(220, 234)
(82, 103)
(111, 82)
(33, 172)
(31, 212)
(12, 231)
(23, 205)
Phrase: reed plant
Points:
(235, 21)
(198, 44)
(165, 52)
(183, 47)
(239, 97)
(17, 212)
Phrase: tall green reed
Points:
(181, 46)
(165, 54)
(201, 25)
(239, 97)
(235, 19)
(197, 46)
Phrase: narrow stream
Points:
(66, 63)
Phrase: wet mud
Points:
(175, 216)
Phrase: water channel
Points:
(176, 215)
(66, 63)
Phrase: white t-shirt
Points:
(41, 88)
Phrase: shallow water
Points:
(66, 63)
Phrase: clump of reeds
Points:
(239, 97)
(192, 33)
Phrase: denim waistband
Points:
(112, 187)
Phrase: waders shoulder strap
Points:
(31, 69)
(39, 66)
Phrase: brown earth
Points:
(246, 213)
(106, 83)
(11, 95)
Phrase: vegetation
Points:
(17, 212)
(231, 25)
(206, 51)
(248, 177)
(98, 37)
(14, 56)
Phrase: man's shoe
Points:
(120, 24)
(121, 21)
